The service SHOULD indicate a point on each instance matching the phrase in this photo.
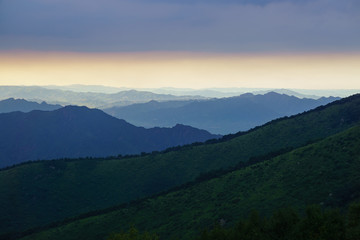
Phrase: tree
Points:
(353, 223)
(282, 224)
(133, 234)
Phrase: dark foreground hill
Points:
(222, 116)
(72, 132)
(13, 105)
(39, 193)
(324, 173)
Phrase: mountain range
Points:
(305, 147)
(89, 99)
(229, 92)
(211, 92)
(220, 116)
(74, 131)
(21, 105)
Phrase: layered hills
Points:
(89, 99)
(21, 105)
(72, 132)
(38, 193)
(324, 173)
(221, 116)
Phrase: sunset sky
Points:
(173, 43)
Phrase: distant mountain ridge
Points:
(228, 92)
(222, 116)
(89, 99)
(81, 132)
(287, 92)
(13, 105)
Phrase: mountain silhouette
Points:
(80, 132)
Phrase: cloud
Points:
(163, 25)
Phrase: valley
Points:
(59, 189)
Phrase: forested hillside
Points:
(38, 193)
(324, 173)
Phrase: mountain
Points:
(38, 193)
(90, 99)
(206, 92)
(81, 132)
(221, 116)
(324, 173)
(233, 92)
(287, 92)
(13, 105)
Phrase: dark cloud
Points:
(139, 25)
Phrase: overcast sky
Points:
(181, 43)
(180, 25)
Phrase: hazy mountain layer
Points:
(13, 105)
(89, 99)
(222, 116)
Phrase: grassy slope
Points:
(39, 193)
(326, 172)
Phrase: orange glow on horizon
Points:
(183, 70)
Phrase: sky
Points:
(173, 43)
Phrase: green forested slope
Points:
(324, 173)
(42, 192)
(284, 224)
